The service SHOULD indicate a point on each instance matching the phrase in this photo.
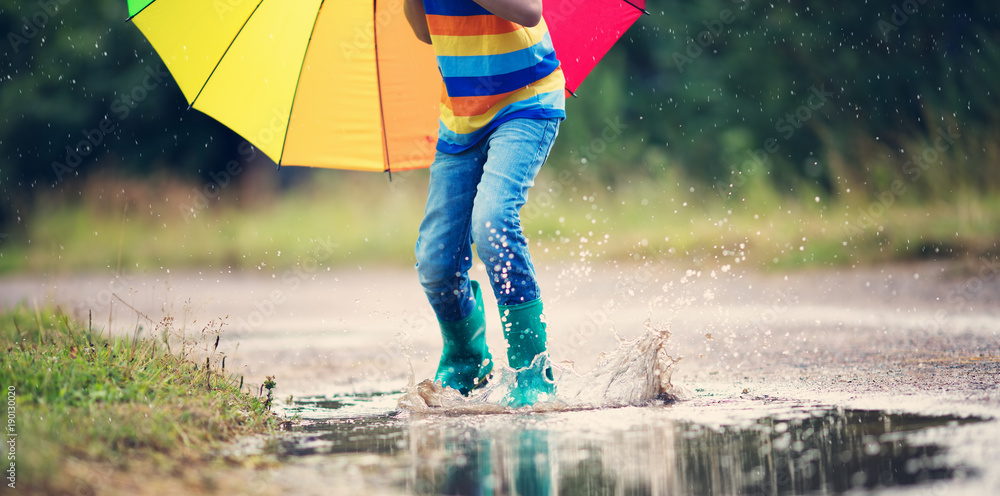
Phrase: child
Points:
(500, 114)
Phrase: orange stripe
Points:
(468, 106)
(440, 25)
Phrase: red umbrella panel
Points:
(584, 30)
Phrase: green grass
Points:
(137, 229)
(761, 229)
(86, 399)
(343, 218)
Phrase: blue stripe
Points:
(454, 8)
(500, 83)
(544, 106)
(484, 65)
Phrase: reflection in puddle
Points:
(828, 451)
(627, 450)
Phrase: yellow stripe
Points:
(465, 125)
(488, 44)
(251, 91)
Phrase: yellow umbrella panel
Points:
(310, 83)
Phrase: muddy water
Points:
(656, 449)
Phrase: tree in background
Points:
(81, 89)
(813, 95)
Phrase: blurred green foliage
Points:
(80, 89)
(703, 86)
(809, 97)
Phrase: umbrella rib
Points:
(209, 78)
(644, 11)
(129, 18)
(378, 82)
(640, 9)
(297, 80)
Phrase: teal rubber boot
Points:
(524, 330)
(466, 361)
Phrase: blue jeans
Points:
(475, 197)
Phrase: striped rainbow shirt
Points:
(493, 70)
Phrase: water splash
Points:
(637, 373)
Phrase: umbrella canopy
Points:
(336, 84)
(584, 30)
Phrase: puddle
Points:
(637, 373)
(631, 450)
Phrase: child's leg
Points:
(515, 153)
(444, 252)
(444, 256)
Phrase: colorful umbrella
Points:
(341, 85)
